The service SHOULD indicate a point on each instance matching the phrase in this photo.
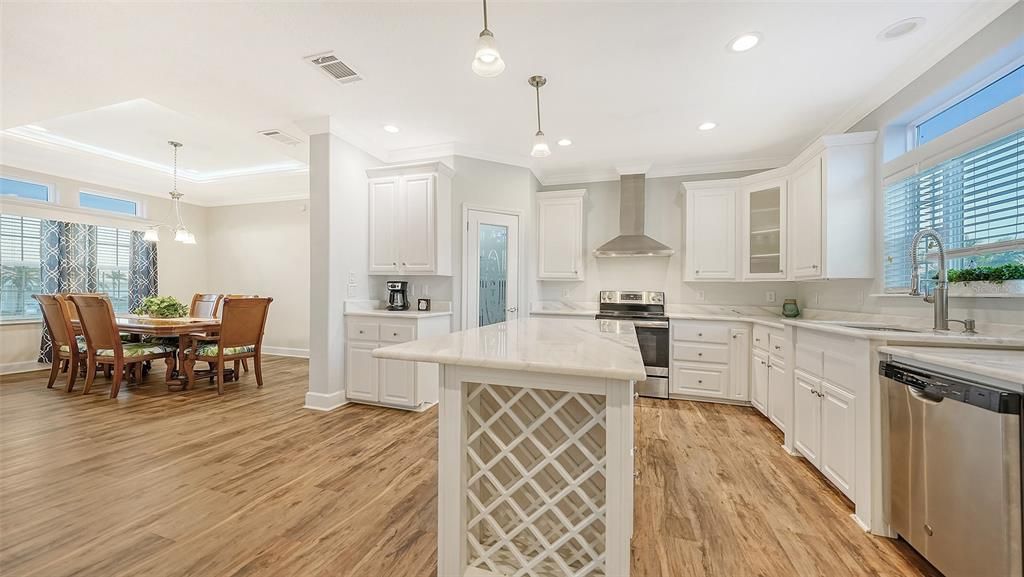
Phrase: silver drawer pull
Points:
(361, 332)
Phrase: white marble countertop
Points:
(1004, 365)
(585, 347)
(372, 308)
(746, 314)
(920, 334)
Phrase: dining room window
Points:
(113, 265)
(20, 248)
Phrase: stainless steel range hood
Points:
(632, 241)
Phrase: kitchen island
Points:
(535, 435)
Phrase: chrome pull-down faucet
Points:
(939, 297)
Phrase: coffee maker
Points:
(397, 300)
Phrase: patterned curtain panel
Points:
(142, 280)
(70, 263)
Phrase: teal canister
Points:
(790, 308)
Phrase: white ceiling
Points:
(628, 82)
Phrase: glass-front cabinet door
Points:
(764, 252)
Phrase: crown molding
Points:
(666, 170)
(970, 23)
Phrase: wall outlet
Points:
(351, 277)
(769, 296)
(700, 295)
(351, 291)
(817, 298)
(565, 293)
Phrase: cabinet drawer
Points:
(777, 345)
(702, 333)
(761, 336)
(395, 333)
(687, 380)
(701, 353)
(363, 330)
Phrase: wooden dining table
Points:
(181, 327)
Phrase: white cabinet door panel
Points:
(695, 380)
(417, 218)
(806, 191)
(384, 238)
(711, 234)
(398, 382)
(759, 382)
(739, 364)
(560, 238)
(807, 417)
(838, 441)
(779, 396)
(361, 374)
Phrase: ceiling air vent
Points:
(280, 137)
(331, 66)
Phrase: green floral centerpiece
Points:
(1004, 279)
(162, 307)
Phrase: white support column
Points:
(338, 224)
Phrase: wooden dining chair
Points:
(205, 305)
(67, 348)
(243, 321)
(104, 345)
(243, 362)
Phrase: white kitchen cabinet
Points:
(759, 381)
(410, 219)
(394, 383)
(807, 417)
(838, 442)
(361, 372)
(560, 240)
(764, 244)
(710, 361)
(711, 230)
(832, 208)
(779, 395)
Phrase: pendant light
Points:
(487, 62)
(540, 146)
(181, 232)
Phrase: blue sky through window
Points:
(22, 189)
(107, 204)
(1002, 90)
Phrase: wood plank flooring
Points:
(158, 483)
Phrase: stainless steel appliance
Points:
(955, 470)
(646, 310)
(397, 299)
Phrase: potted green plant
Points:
(982, 280)
(162, 307)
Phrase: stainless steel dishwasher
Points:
(955, 470)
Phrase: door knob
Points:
(512, 309)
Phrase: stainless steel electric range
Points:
(646, 310)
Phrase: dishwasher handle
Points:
(924, 396)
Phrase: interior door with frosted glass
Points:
(493, 268)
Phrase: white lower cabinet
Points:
(710, 361)
(778, 395)
(759, 381)
(403, 384)
(807, 418)
(838, 442)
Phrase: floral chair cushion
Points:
(210, 350)
(81, 345)
(139, 350)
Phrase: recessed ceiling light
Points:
(744, 42)
(706, 126)
(565, 142)
(391, 129)
(901, 28)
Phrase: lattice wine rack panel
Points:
(536, 481)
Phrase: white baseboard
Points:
(287, 352)
(22, 367)
(325, 401)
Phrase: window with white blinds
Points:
(976, 203)
(20, 248)
(113, 253)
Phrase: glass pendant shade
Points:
(540, 146)
(191, 239)
(487, 62)
(151, 235)
(181, 234)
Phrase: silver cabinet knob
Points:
(734, 336)
(700, 382)
(700, 354)
(394, 334)
(814, 266)
(403, 264)
(700, 334)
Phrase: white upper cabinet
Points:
(711, 230)
(764, 230)
(560, 240)
(410, 219)
(832, 208)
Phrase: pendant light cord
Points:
(485, 14)
(538, 108)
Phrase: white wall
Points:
(999, 43)
(665, 211)
(264, 249)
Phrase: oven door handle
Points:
(650, 324)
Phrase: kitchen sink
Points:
(865, 327)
